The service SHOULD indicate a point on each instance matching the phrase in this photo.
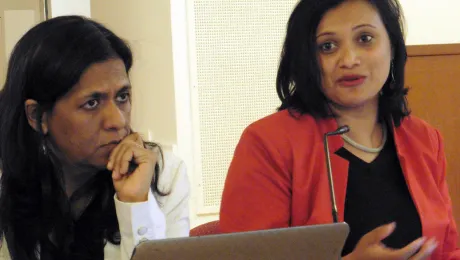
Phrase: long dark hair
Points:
(36, 217)
(298, 81)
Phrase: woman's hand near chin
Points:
(132, 186)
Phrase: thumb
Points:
(379, 234)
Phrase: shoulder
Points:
(415, 131)
(285, 130)
(282, 120)
(417, 126)
(281, 137)
(421, 144)
(282, 125)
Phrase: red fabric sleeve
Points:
(450, 249)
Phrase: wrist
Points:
(132, 198)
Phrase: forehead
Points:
(349, 14)
(102, 77)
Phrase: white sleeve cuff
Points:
(140, 221)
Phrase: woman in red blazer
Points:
(339, 68)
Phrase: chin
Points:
(345, 104)
(355, 102)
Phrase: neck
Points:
(364, 126)
(76, 177)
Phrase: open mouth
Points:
(351, 81)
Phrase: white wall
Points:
(16, 17)
(432, 22)
(17, 23)
(70, 7)
(146, 25)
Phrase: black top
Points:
(377, 194)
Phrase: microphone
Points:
(341, 130)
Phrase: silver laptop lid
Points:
(316, 242)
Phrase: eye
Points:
(92, 104)
(123, 97)
(327, 47)
(365, 38)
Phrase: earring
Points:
(43, 147)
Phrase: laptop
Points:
(318, 242)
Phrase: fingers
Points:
(409, 250)
(378, 234)
(426, 250)
(114, 159)
(131, 156)
(120, 150)
(119, 161)
(371, 247)
(124, 159)
(127, 152)
(123, 155)
(133, 137)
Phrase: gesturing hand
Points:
(370, 247)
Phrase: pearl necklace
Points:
(364, 148)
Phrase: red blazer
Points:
(278, 177)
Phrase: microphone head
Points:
(341, 130)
